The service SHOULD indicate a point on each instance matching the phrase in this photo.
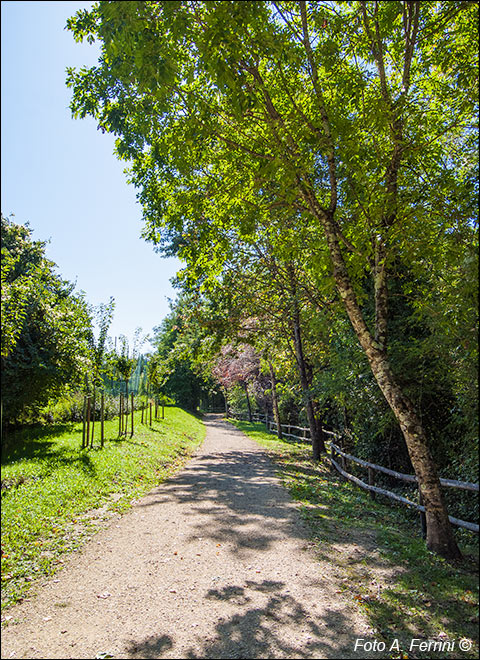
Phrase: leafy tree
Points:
(45, 326)
(357, 118)
(126, 360)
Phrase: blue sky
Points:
(61, 176)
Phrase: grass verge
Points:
(50, 487)
(406, 592)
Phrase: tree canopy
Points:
(46, 326)
(342, 136)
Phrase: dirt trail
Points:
(214, 563)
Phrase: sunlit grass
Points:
(382, 561)
(49, 483)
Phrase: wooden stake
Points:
(84, 416)
(102, 419)
(120, 415)
(371, 481)
(88, 421)
(93, 418)
(126, 415)
(131, 433)
(150, 413)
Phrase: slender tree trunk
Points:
(318, 444)
(276, 414)
(245, 387)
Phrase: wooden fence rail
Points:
(372, 467)
(465, 485)
(473, 527)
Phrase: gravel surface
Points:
(214, 563)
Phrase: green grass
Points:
(380, 558)
(49, 484)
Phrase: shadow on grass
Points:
(32, 442)
(36, 443)
(405, 590)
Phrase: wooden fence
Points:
(338, 456)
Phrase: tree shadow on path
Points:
(233, 497)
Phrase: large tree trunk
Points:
(440, 538)
(276, 414)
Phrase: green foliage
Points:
(171, 368)
(315, 167)
(103, 318)
(69, 408)
(49, 485)
(45, 326)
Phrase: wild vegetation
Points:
(46, 327)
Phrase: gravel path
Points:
(214, 563)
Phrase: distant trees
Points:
(45, 326)
(170, 367)
(239, 365)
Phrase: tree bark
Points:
(318, 444)
(276, 414)
(440, 538)
(245, 387)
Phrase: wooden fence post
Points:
(343, 460)
(143, 406)
(102, 419)
(150, 413)
(371, 482)
(163, 411)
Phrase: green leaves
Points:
(257, 131)
(45, 326)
